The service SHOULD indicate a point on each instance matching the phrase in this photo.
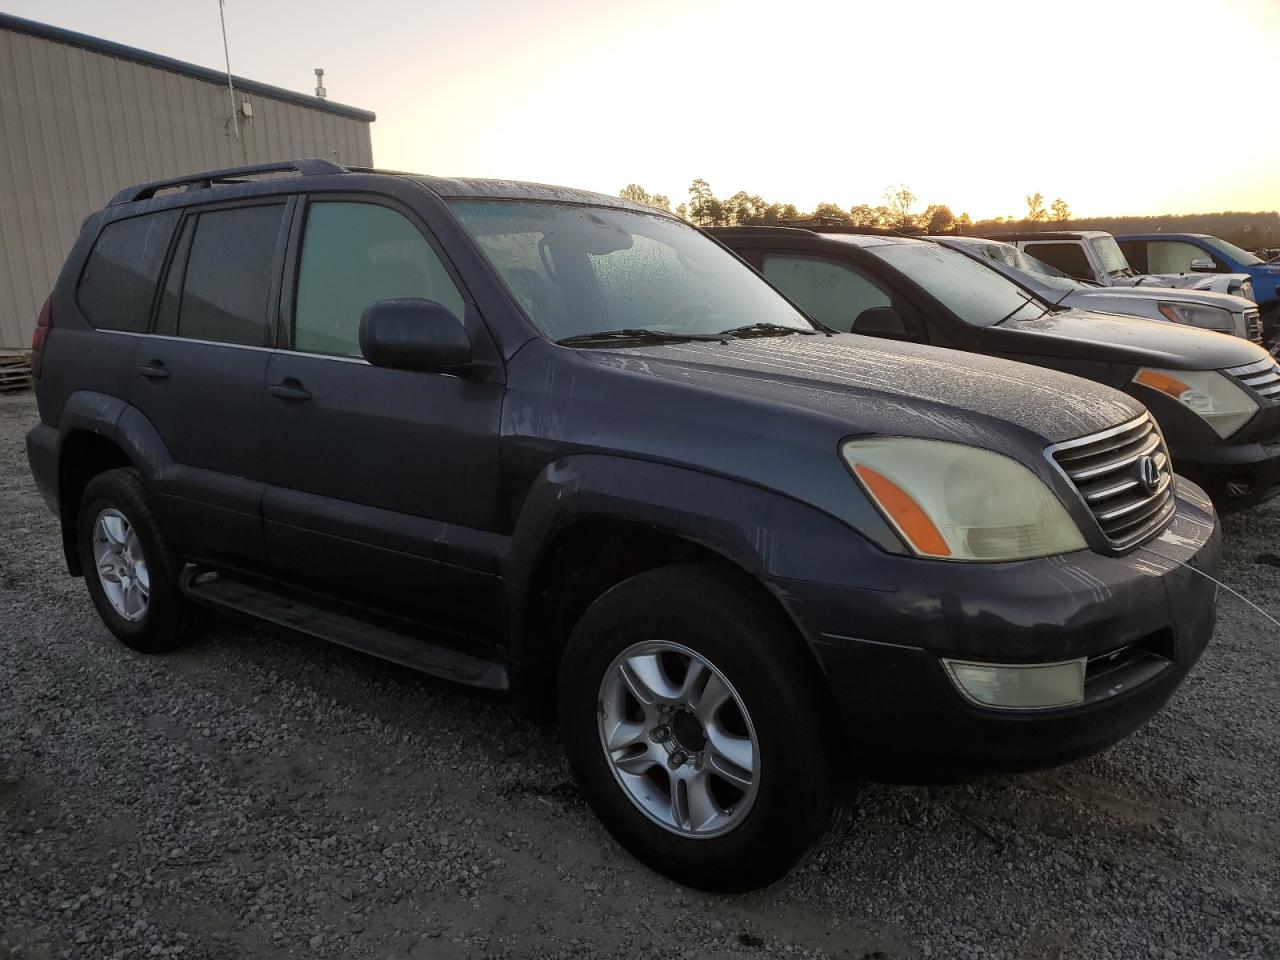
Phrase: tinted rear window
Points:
(119, 278)
(1070, 258)
(227, 285)
(1135, 251)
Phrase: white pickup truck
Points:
(1093, 256)
(1196, 308)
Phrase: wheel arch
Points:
(591, 522)
(97, 433)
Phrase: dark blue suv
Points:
(1201, 253)
(533, 439)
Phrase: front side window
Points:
(829, 292)
(119, 278)
(226, 279)
(354, 254)
(1070, 258)
(976, 294)
(1172, 256)
(580, 270)
(1231, 251)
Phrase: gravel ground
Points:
(261, 795)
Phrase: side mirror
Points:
(1202, 265)
(413, 334)
(881, 322)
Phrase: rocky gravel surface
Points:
(258, 794)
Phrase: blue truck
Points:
(1201, 253)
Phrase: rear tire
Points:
(129, 565)
(725, 788)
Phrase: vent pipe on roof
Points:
(320, 82)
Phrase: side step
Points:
(220, 592)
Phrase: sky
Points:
(1117, 106)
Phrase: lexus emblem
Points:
(1148, 474)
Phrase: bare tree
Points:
(900, 201)
(1035, 208)
(1060, 212)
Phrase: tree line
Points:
(901, 210)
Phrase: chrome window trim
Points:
(237, 346)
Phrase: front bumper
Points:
(1235, 476)
(1143, 619)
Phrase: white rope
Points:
(1230, 590)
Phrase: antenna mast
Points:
(231, 88)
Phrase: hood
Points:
(903, 388)
(1183, 281)
(1084, 334)
(1207, 298)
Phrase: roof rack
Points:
(201, 181)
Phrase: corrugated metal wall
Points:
(77, 125)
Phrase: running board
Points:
(220, 592)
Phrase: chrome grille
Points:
(1253, 326)
(1125, 477)
(1262, 377)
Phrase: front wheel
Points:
(690, 719)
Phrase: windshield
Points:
(1243, 257)
(579, 270)
(1110, 255)
(1040, 271)
(976, 294)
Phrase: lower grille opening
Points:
(1122, 669)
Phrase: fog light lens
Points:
(1019, 686)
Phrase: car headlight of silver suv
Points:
(1217, 400)
(1198, 315)
(950, 501)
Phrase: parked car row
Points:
(1198, 253)
(1095, 256)
(744, 532)
(1209, 310)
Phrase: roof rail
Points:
(200, 181)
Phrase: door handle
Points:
(155, 370)
(289, 389)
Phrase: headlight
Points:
(954, 502)
(1222, 404)
(1246, 290)
(1195, 315)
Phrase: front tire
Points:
(129, 566)
(693, 723)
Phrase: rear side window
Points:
(829, 292)
(119, 278)
(354, 254)
(1135, 251)
(1070, 258)
(219, 284)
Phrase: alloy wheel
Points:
(122, 567)
(678, 739)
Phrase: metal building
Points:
(82, 117)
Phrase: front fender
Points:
(771, 537)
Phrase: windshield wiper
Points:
(766, 330)
(635, 335)
(1026, 299)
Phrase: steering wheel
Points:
(686, 311)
